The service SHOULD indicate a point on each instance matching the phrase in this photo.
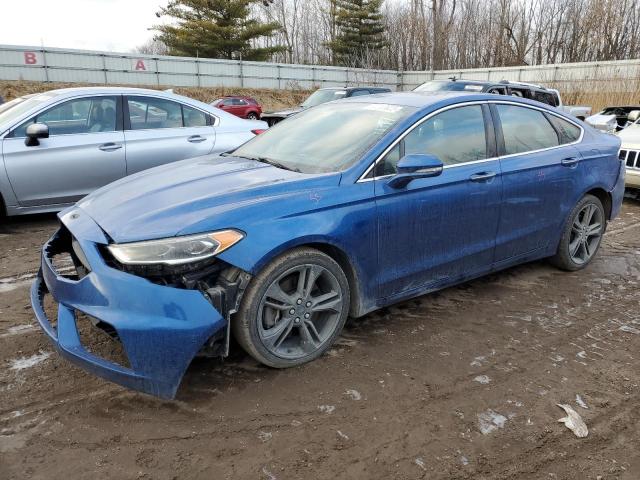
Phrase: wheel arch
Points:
(605, 197)
(342, 259)
(336, 252)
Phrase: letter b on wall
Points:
(30, 58)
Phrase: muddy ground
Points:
(462, 384)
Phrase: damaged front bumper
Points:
(161, 328)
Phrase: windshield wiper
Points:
(271, 162)
(277, 164)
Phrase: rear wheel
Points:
(582, 234)
(252, 116)
(294, 309)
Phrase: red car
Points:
(243, 107)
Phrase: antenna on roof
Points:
(453, 79)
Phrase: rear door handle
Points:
(569, 162)
(481, 177)
(110, 147)
(196, 139)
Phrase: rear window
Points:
(545, 97)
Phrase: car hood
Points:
(177, 198)
(284, 113)
(630, 136)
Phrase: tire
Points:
(577, 229)
(283, 320)
(252, 116)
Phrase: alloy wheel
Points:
(300, 311)
(586, 233)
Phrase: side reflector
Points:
(258, 131)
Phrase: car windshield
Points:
(328, 138)
(448, 86)
(323, 96)
(12, 110)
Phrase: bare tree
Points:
(151, 47)
(457, 34)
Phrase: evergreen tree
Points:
(214, 29)
(359, 31)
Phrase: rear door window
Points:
(152, 113)
(525, 129)
(194, 117)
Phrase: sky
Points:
(108, 25)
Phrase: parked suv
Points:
(630, 151)
(322, 95)
(58, 146)
(531, 91)
(240, 106)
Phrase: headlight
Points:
(175, 250)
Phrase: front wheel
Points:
(582, 234)
(252, 116)
(293, 311)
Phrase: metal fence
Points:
(64, 65)
(82, 66)
(619, 75)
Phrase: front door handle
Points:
(110, 147)
(196, 139)
(570, 161)
(482, 176)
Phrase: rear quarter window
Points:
(569, 132)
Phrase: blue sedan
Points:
(338, 211)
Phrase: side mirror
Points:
(35, 131)
(633, 115)
(413, 166)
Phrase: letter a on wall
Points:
(139, 65)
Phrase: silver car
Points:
(58, 146)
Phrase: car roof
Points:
(487, 83)
(353, 88)
(423, 100)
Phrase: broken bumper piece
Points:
(161, 328)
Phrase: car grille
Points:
(631, 158)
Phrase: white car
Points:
(613, 119)
(630, 150)
(58, 146)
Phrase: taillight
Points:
(258, 131)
